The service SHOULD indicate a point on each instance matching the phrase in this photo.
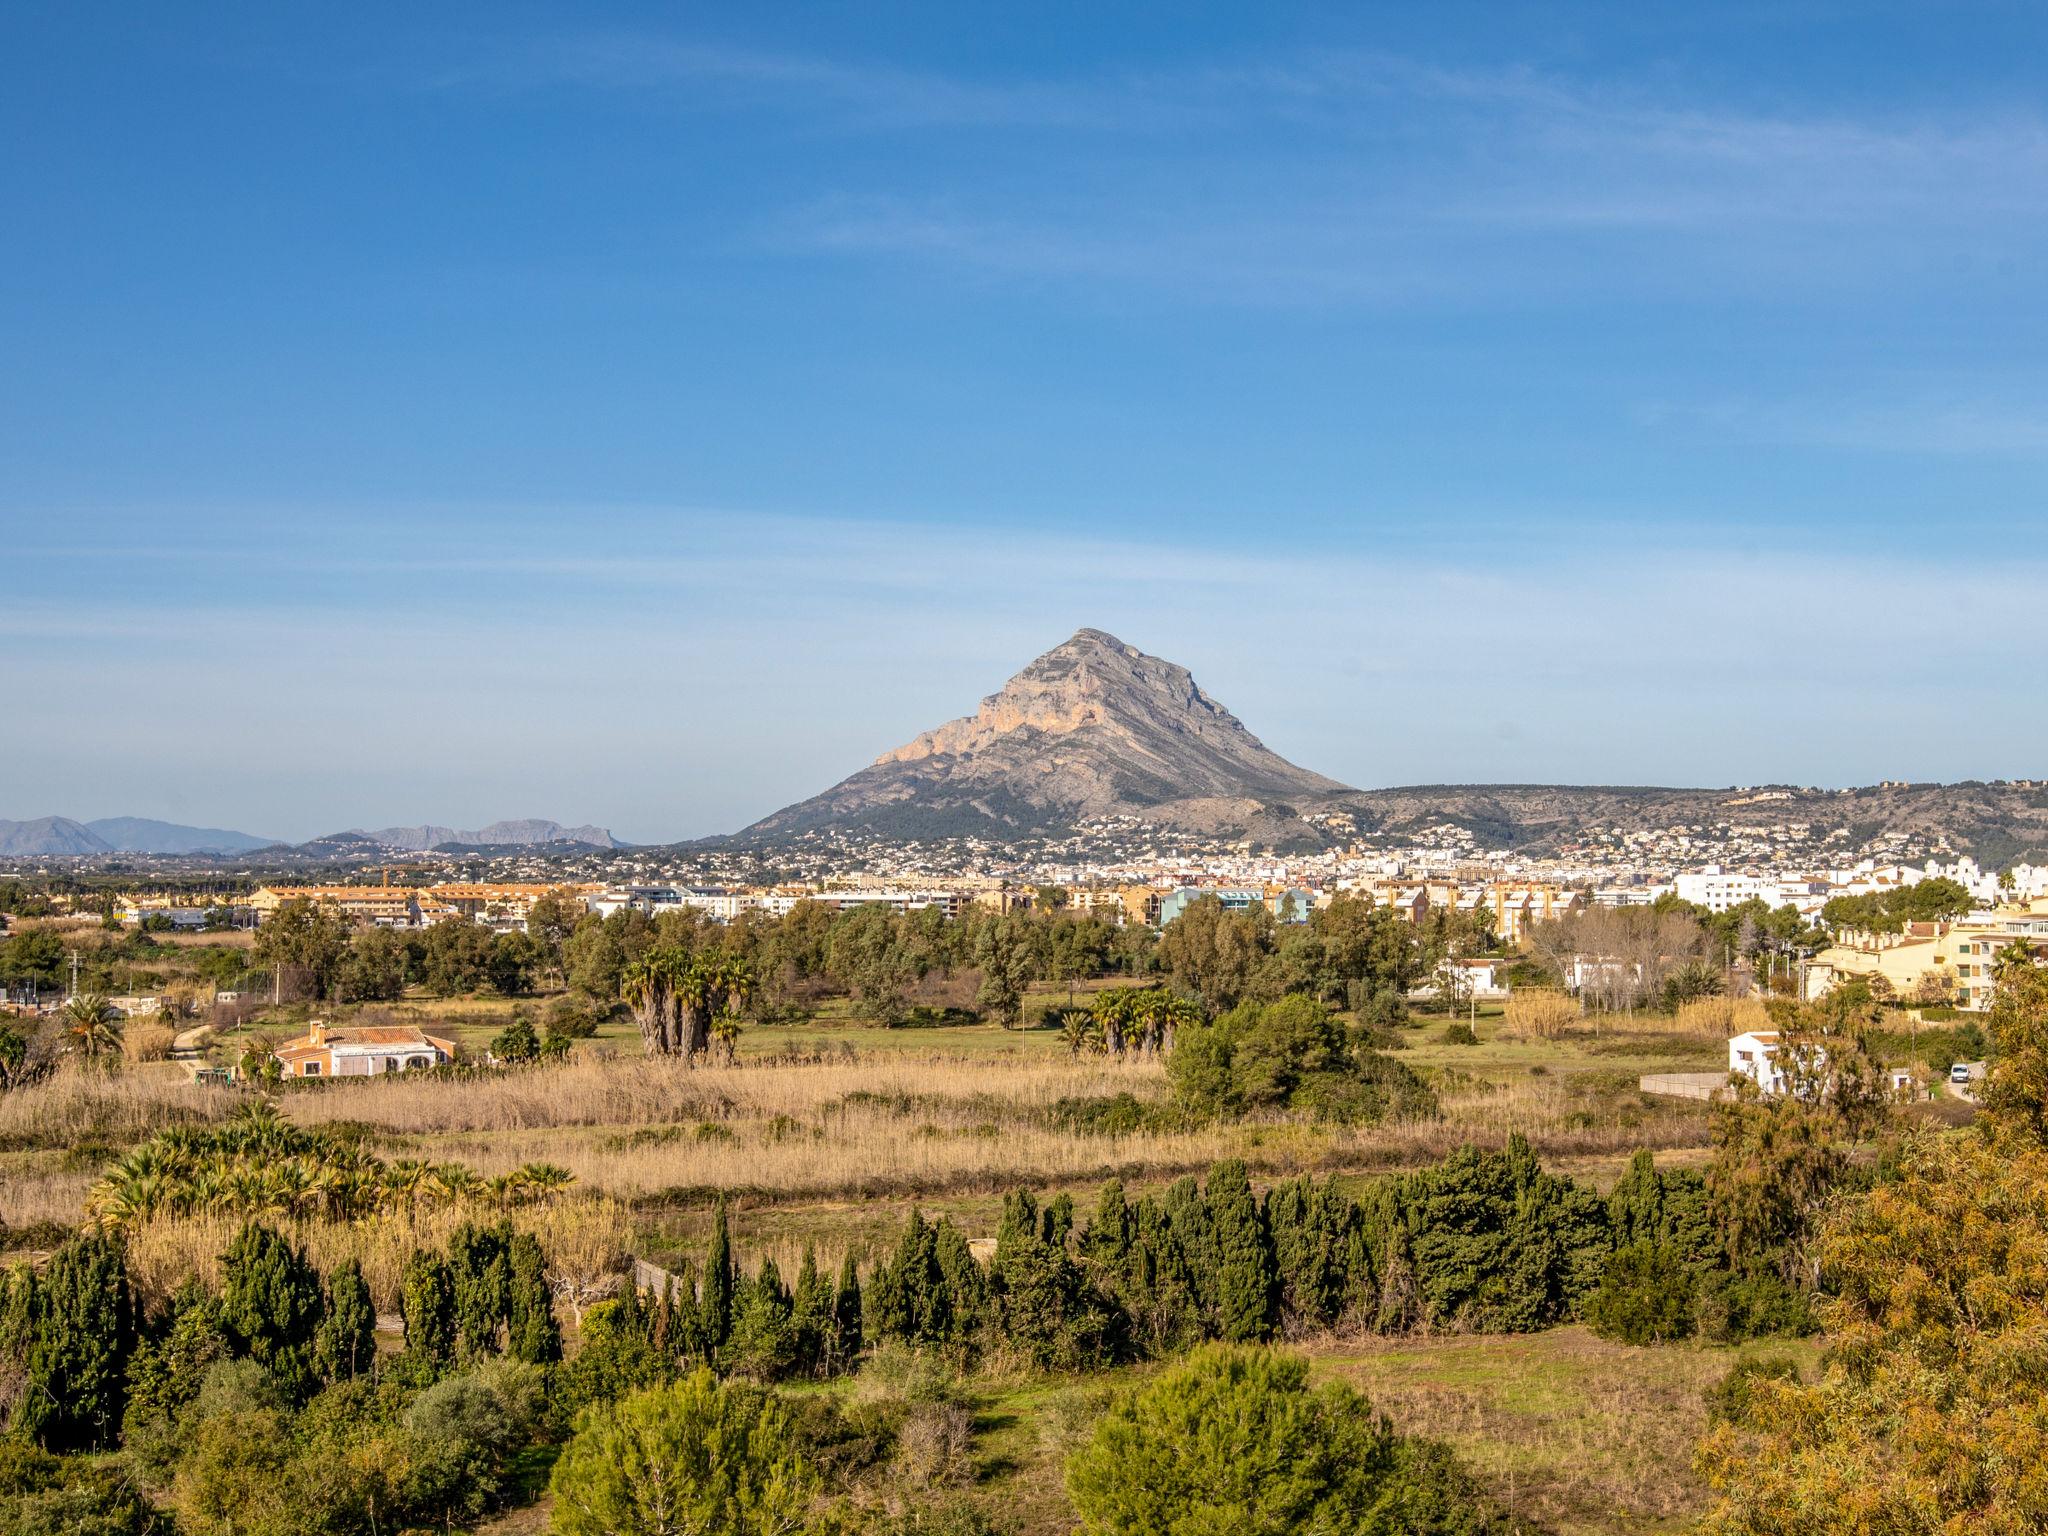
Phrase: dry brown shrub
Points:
(146, 1042)
(1538, 1013)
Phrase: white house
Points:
(1755, 1056)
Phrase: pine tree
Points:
(427, 1299)
(715, 1313)
(77, 1364)
(479, 1278)
(846, 1316)
(531, 1332)
(346, 1345)
(270, 1306)
(1244, 1258)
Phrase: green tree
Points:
(83, 1330)
(1235, 1440)
(1003, 951)
(427, 1303)
(1244, 1277)
(346, 1345)
(479, 1275)
(270, 1305)
(531, 1332)
(373, 967)
(516, 1042)
(306, 942)
(1216, 955)
(692, 1457)
(1645, 1296)
(847, 1316)
(714, 1311)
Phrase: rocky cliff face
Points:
(1093, 727)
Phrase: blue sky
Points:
(648, 414)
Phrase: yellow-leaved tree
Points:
(1931, 1410)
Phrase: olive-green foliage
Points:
(618, 1354)
(1236, 1440)
(1322, 1261)
(531, 1332)
(427, 1302)
(1293, 1053)
(1646, 1296)
(270, 1305)
(1499, 1244)
(763, 1343)
(165, 1376)
(45, 1495)
(479, 1277)
(930, 1290)
(346, 1345)
(83, 1329)
(715, 1305)
(1244, 1276)
(689, 1456)
(1041, 1302)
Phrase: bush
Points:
(1292, 1053)
(694, 1456)
(1460, 1034)
(1733, 1307)
(1645, 1297)
(1728, 1400)
(1539, 1013)
(1235, 1440)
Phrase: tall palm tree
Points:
(92, 1024)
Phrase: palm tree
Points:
(1079, 1029)
(92, 1024)
(650, 986)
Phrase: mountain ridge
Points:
(1093, 727)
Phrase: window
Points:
(310, 1069)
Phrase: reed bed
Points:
(589, 1243)
(640, 1091)
(896, 1127)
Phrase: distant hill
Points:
(499, 834)
(1092, 728)
(50, 837)
(138, 834)
(1097, 729)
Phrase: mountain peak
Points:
(1092, 727)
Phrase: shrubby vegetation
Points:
(1236, 1440)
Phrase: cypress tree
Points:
(763, 1341)
(686, 1322)
(715, 1313)
(846, 1316)
(1244, 1259)
(270, 1306)
(479, 1279)
(1193, 1234)
(427, 1299)
(84, 1332)
(1635, 1208)
(531, 1332)
(964, 1286)
(346, 1345)
(811, 1315)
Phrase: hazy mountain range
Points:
(1096, 730)
(61, 837)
